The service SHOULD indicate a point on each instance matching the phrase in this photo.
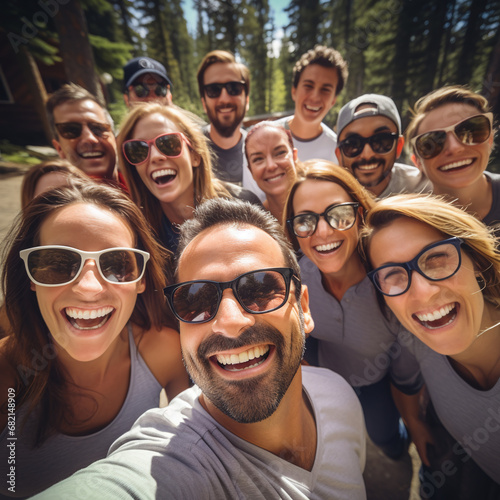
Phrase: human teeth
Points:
(275, 178)
(369, 166)
(456, 164)
(88, 314)
(311, 108)
(437, 314)
(329, 246)
(92, 154)
(162, 173)
(242, 357)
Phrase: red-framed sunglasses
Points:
(136, 151)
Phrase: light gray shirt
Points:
(181, 452)
(355, 338)
(406, 179)
(470, 415)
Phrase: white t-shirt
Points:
(321, 147)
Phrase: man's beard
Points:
(226, 129)
(256, 398)
(375, 182)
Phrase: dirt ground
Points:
(385, 479)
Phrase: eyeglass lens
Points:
(142, 90)
(436, 263)
(73, 130)
(137, 152)
(214, 90)
(257, 292)
(381, 143)
(339, 217)
(474, 130)
(57, 266)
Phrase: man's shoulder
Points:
(321, 382)
(406, 179)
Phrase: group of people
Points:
(230, 259)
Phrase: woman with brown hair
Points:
(165, 159)
(91, 345)
(325, 212)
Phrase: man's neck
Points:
(225, 142)
(305, 131)
(380, 187)
(289, 433)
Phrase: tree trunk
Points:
(75, 47)
(37, 88)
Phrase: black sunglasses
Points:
(437, 262)
(142, 90)
(471, 131)
(257, 292)
(381, 143)
(340, 216)
(73, 130)
(213, 90)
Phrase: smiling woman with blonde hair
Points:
(442, 281)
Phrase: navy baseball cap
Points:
(379, 105)
(140, 66)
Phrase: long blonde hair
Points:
(205, 185)
(480, 242)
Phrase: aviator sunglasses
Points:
(55, 265)
(136, 151)
(73, 130)
(213, 90)
(470, 132)
(142, 90)
(437, 262)
(340, 217)
(381, 143)
(257, 292)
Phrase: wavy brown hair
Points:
(41, 378)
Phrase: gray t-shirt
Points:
(406, 179)
(231, 164)
(470, 415)
(181, 452)
(355, 339)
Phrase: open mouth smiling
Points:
(251, 358)
(163, 176)
(457, 165)
(91, 155)
(275, 178)
(315, 109)
(88, 319)
(328, 247)
(439, 318)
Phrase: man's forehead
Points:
(229, 244)
(221, 72)
(79, 109)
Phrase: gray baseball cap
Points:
(381, 105)
(140, 66)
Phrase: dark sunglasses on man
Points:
(73, 130)
(381, 143)
(258, 292)
(214, 90)
(142, 90)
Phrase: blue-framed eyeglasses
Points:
(437, 262)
